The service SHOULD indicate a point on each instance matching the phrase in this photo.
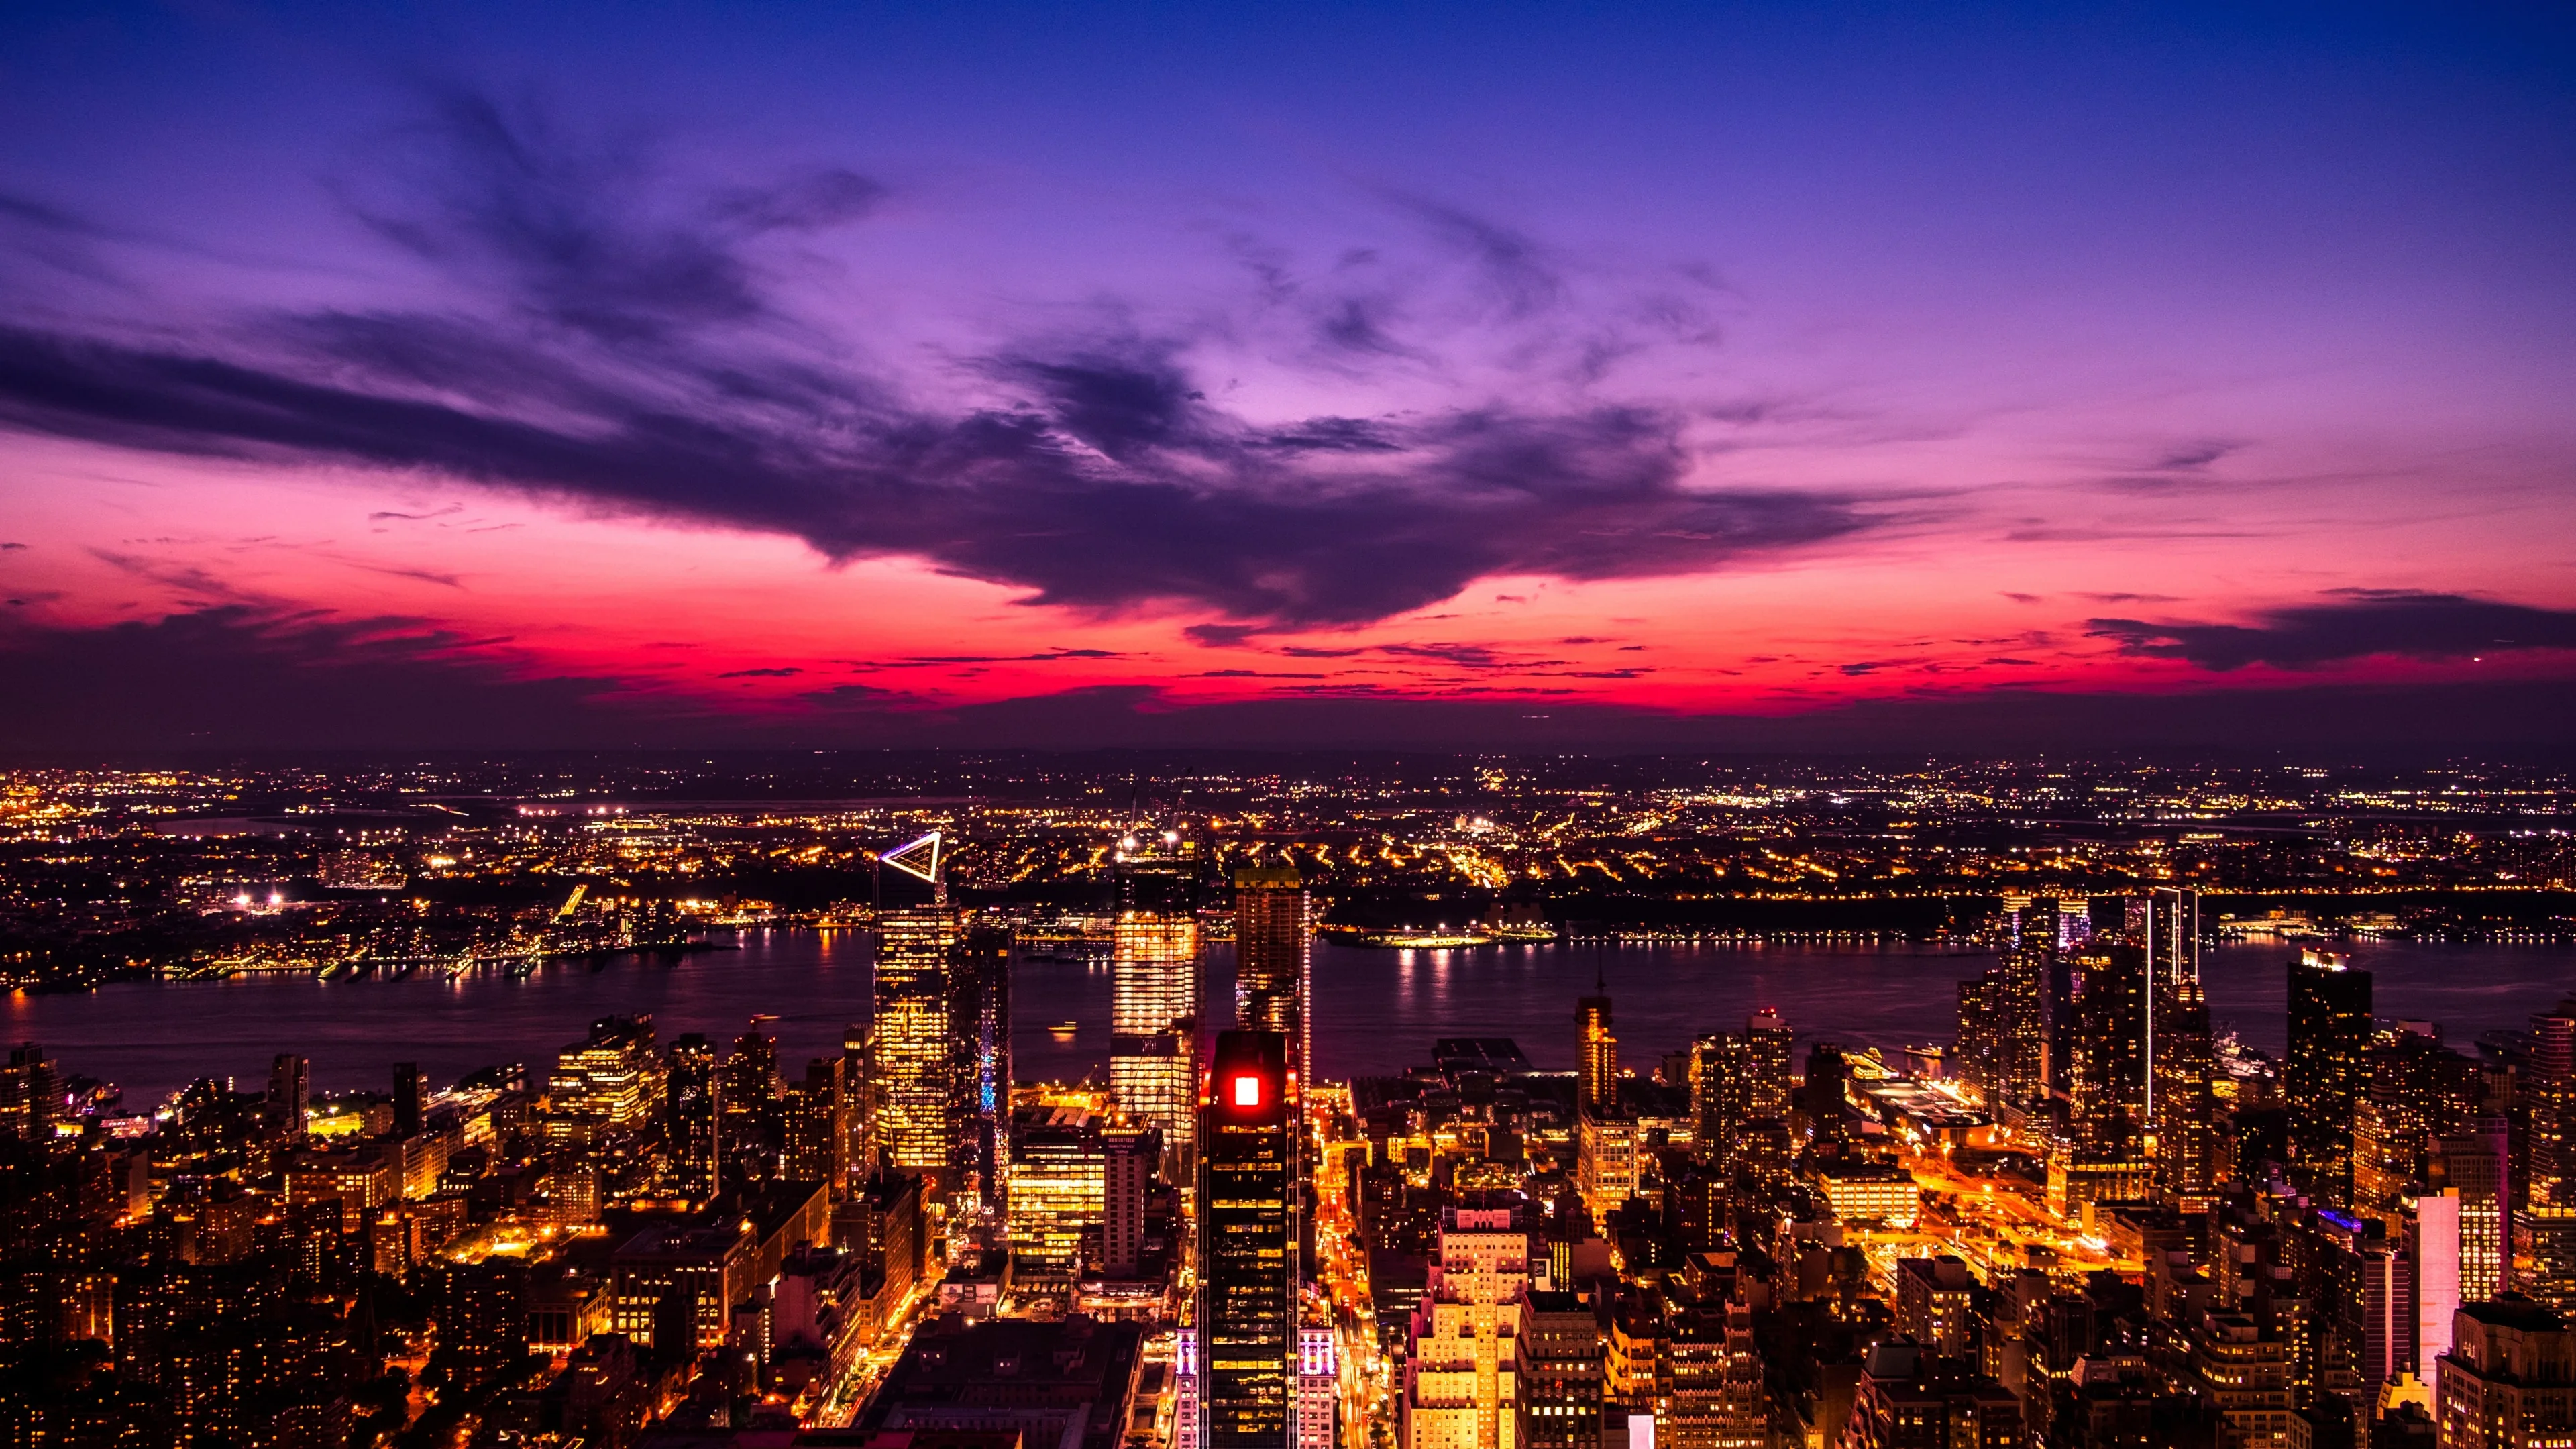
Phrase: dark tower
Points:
(1247, 1309)
(1273, 963)
(2107, 1076)
(979, 1025)
(693, 1105)
(2327, 1068)
(410, 1090)
(289, 1093)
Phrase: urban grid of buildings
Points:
(2077, 1218)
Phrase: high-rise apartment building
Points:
(2107, 1077)
(1721, 1087)
(1767, 1040)
(1713, 1398)
(2326, 1069)
(1247, 1317)
(693, 1105)
(2478, 1167)
(1274, 957)
(816, 1116)
(2433, 1245)
(290, 1089)
(2553, 1106)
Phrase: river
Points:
(1376, 1011)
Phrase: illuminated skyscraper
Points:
(912, 1063)
(2325, 1072)
(2478, 1167)
(1460, 1388)
(1154, 988)
(2553, 1106)
(1058, 1176)
(816, 1117)
(1273, 958)
(2184, 1109)
(1247, 1261)
(1767, 1038)
(2107, 1074)
(1599, 1069)
(694, 1105)
(609, 1081)
(751, 1123)
(1721, 1080)
(1606, 1155)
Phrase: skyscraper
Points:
(1247, 1297)
(2553, 1106)
(1460, 1387)
(1599, 1084)
(1154, 988)
(979, 1016)
(750, 1122)
(817, 1121)
(1721, 1082)
(1767, 1038)
(693, 1107)
(2184, 1110)
(2329, 1036)
(2477, 1165)
(2107, 1077)
(289, 1094)
(1273, 957)
(912, 1064)
(411, 1095)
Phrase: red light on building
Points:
(1247, 1091)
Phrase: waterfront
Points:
(1376, 1012)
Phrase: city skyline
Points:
(1662, 379)
(1739, 726)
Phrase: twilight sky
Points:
(837, 374)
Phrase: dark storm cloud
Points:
(238, 675)
(2358, 624)
(621, 348)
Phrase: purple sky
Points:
(832, 374)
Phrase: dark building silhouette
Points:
(2326, 1071)
(1273, 961)
(1247, 1309)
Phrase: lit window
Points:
(1247, 1091)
